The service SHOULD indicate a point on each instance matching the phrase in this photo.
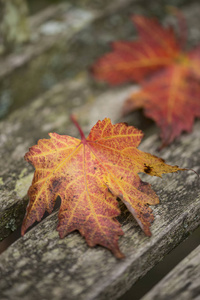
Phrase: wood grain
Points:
(181, 283)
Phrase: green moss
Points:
(12, 218)
(15, 23)
(23, 172)
(23, 183)
(11, 225)
(1, 181)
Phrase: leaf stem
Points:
(193, 171)
(83, 138)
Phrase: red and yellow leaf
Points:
(169, 77)
(88, 175)
(133, 60)
(178, 105)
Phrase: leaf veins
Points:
(88, 175)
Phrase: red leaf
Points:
(171, 95)
(178, 105)
(156, 48)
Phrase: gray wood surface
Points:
(42, 266)
(65, 39)
(183, 282)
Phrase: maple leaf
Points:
(178, 105)
(169, 76)
(133, 60)
(88, 175)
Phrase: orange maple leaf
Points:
(171, 95)
(88, 175)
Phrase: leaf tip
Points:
(186, 169)
(23, 230)
(118, 254)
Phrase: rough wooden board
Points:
(41, 265)
(183, 282)
(46, 267)
(67, 38)
(40, 41)
(62, 21)
(54, 52)
(55, 23)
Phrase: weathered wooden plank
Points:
(54, 52)
(41, 265)
(48, 113)
(183, 282)
(66, 39)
